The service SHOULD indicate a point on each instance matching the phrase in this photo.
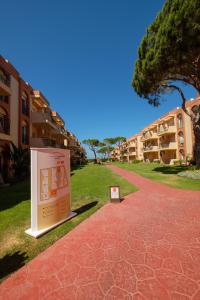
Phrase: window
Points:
(4, 99)
(180, 121)
(4, 122)
(4, 77)
(25, 133)
(25, 106)
(181, 138)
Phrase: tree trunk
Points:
(95, 157)
(195, 118)
(196, 129)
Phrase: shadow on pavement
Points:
(12, 262)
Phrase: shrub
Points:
(136, 161)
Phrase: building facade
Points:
(27, 120)
(134, 148)
(167, 139)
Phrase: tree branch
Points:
(183, 106)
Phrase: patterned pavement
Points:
(146, 247)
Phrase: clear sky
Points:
(81, 55)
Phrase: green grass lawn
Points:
(89, 192)
(164, 174)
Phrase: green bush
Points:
(136, 161)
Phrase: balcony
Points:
(131, 144)
(132, 153)
(57, 118)
(43, 142)
(152, 148)
(149, 136)
(167, 130)
(39, 99)
(168, 146)
(43, 118)
(4, 124)
(4, 84)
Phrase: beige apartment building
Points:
(134, 148)
(167, 139)
(47, 126)
(27, 120)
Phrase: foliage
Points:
(120, 143)
(93, 145)
(136, 161)
(109, 141)
(169, 53)
(170, 50)
(119, 140)
(20, 160)
(106, 151)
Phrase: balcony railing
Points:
(45, 117)
(132, 153)
(43, 142)
(131, 144)
(150, 148)
(167, 129)
(169, 145)
(4, 124)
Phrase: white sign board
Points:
(50, 189)
(114, 193)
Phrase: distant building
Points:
(167, 139)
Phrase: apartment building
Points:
(167, 139)
(129, 150)
(27, 120)
(14, 112)
(78, 153)
(170, 138)
(47, 126)
(120, 152)
(134, 148)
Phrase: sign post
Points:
(50, 189)
(115, 194)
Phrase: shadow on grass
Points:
(85, 207)
(74, 168)
(14, 194)
(12, 262)
(77, 167)
(170, 169)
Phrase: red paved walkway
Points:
(147, 247)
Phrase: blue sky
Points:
(81, 55)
